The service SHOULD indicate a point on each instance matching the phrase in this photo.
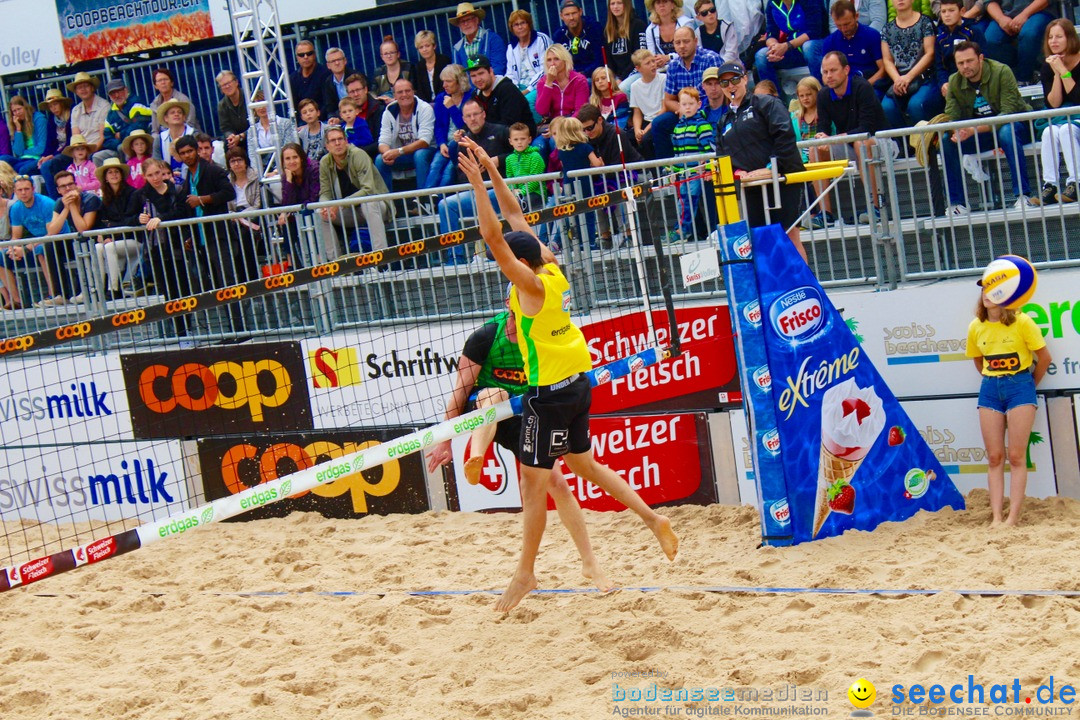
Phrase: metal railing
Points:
(906, 241)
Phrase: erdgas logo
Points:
(403, 447)
(279, 281)
(468, 424)
(129, 318)
(69, 332)
(231, 293)
(207, 392)
(798, 315)
(17, 343)
(182, 305)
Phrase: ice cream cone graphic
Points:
(851, 420)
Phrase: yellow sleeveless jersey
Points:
(552, 346)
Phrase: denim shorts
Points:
(1002, 393)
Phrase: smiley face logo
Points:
(862, 693)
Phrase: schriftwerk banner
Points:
(851, 456)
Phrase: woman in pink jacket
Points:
(561, 92)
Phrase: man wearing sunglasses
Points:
(754, 130)
(581, 35)
(310, 77)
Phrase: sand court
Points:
(239, 620)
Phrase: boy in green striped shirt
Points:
(692, 135)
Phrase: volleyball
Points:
(1009, 281)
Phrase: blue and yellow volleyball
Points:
(1009, 281)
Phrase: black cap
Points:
(524, 245)
(569, 3)
(731, 68)
(479, 63)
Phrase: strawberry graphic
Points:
(842, 497)
(896, 436)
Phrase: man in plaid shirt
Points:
(687, 72)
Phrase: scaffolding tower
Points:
(261, 54)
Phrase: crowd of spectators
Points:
(865, 66)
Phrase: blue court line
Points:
(913, 360)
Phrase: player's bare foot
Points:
(473, 466)
(520, 586)
(995, 523)
(669, 541)
(594, 572)
(1012, 522)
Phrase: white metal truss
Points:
(261, 53)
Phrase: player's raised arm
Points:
(520, 274)
(508, 202)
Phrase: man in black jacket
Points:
(207, 191)
(847, 105)
(754, 130)
(500, 98)
(308, 79)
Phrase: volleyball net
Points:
(119, 430)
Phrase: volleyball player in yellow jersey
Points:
(555, 408)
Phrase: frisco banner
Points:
(665, 458)
(950, 427)
(102, 28)
(851, 457)
(917, 335)
(65, 483)
(232, 466)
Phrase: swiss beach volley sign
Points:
(833, 449)
(102, 28)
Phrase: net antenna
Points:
(634, 229)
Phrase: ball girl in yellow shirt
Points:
(1010, 353)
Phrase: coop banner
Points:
(102, 28)
(852, 457)
(665, 458)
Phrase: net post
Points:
(727, 204)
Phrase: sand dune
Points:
(165, 632)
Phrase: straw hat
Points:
(54, 94)
(465, 10)
(167, 106)
(135, 134)
(110, 164)
(76, 141)
(83, 77)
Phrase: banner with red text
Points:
(665, 458)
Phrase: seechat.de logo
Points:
(798, 314)
(182, 305)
